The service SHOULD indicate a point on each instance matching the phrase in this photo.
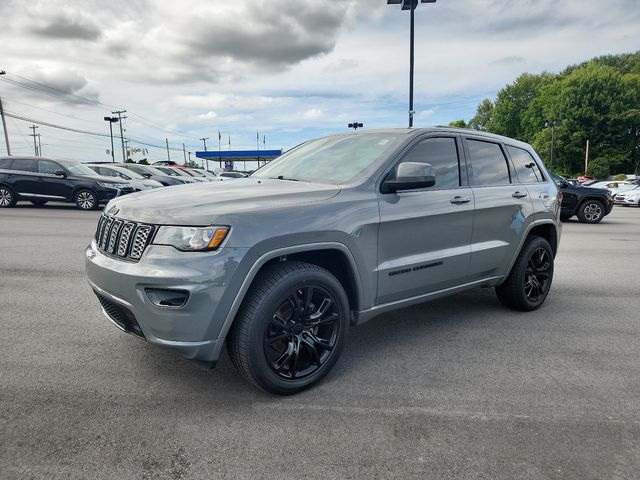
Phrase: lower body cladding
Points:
(178, 300)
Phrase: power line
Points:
(79, 100)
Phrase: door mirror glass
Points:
(60, 173)
(410, 176)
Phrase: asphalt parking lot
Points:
(460, 388)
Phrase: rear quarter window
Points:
(5, 163)
(527, 170)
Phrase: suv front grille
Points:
(121, 238)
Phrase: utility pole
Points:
(553, 126)
(39, 145)
(4, 122)
(586, 160)
(168, 156)
(126, 148)
(120, 118)
(184, 153)
(35, 145)
(4, 126)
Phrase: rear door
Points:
(424, 235)
(502, 206)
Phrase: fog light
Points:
(167, 298)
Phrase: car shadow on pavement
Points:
(426, 326)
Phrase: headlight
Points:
(110, 185)
(191, 238)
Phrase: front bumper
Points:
(626, 201)
(193, 329)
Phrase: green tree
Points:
(483, 117)
(458, 124)
(598, 100)
(143, 162)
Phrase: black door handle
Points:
(519, 195)
(457, 200)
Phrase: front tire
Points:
(7, 197)
(291, 327)
(591, 211)
(86, 200)
(529, 281)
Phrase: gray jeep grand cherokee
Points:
(332, 233)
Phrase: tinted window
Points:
(442, 155)
(526, 167)
(45, 166)
(25, 165)
(5, 162)
(488, 164)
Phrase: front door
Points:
(424, 235)
(52, 185)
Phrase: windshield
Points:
(77, 168)
(168, 171)
(334, 160)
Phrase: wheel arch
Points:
(546, 229)
(333, 256)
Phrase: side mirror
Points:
(410, 176)
(146, 175)
(60, 173)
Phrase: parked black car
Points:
(591, 205)
(153, 173)
(40, 180)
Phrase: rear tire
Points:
(86, 200)
(591, 211)
(529, 281)
(39, 203)
(291, 327)
(7, 197)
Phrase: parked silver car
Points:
(134, 179)
(332, 233)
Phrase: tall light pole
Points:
(410, 5)
(553, 126)
(356, 125)
(111, 121)
(4, 122)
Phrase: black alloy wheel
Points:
(537, 277)
(529, 282)
(7, 198)
(302, 332)
(291, 327)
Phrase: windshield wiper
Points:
(282, 177)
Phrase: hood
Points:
(202, 203)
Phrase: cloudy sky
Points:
(292, 69)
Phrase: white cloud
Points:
(186, 69)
